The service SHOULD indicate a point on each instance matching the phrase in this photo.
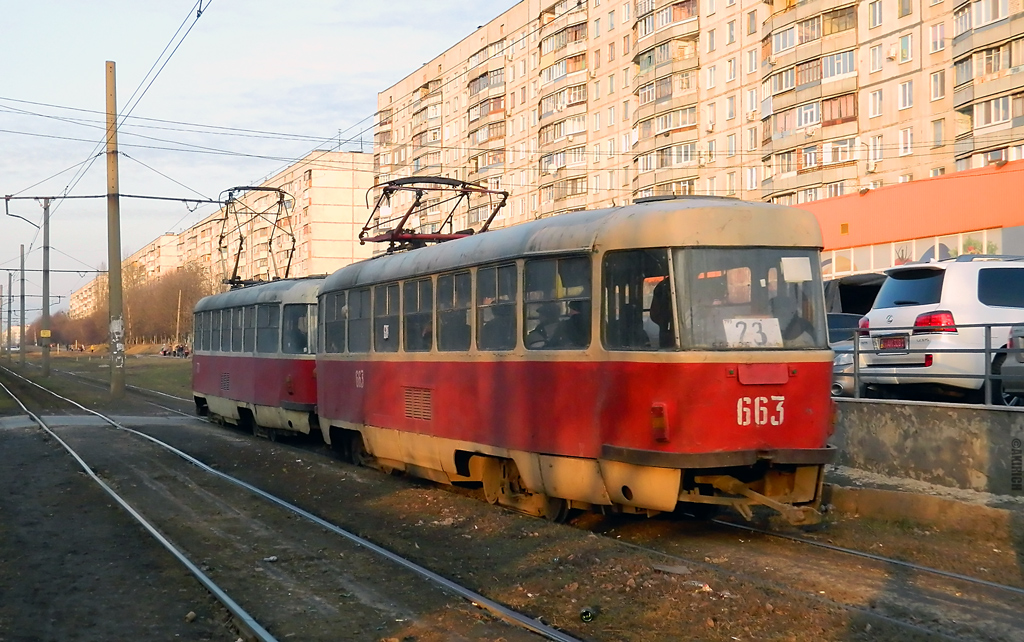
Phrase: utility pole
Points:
(1, 319)
(114, 291)
(44, 331)
(21, 336)
(177, 322)
(10, 304)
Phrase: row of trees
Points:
(155, 311)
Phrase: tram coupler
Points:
(795, 515)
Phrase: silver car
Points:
(1012, 369)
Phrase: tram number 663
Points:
(360, 379)
(760, 411)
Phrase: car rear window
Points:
(1001, 287)
(910, 287)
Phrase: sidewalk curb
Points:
(947, 514)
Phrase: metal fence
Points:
(991, 350)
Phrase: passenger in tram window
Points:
(544, 334)
(661, 313)
(499, 333)
(296, 328)
(796, 330)
(631, 332)
(574, 330)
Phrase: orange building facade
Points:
(979, 211)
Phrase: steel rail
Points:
(499, 610)
(876, 558)
(245, 620)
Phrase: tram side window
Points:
(215, 330)
(199, 329)
(295, 335)
(558, 304)
(496, 308)
(225, 330)
(249, 332)
(359, 320)
(636, 311)
(419, 315)
(236, 329)
(333, 315)
(267, 326)
(454, 311)
(385, 318)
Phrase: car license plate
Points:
(892, 343)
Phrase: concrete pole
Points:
(21, 337)
(177, 322)
(45, 325)
(114, 291)
(10, 305)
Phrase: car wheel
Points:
(999, 396)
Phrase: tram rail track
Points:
(886, 617)
(245, 620)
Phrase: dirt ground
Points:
(73, 566)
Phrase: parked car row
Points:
(936, 328)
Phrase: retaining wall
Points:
(976, 448)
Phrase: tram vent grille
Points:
(225, 381)
(419, 403)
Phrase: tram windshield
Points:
(743, 298)
(721, 298)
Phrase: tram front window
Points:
(749, 298)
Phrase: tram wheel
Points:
(556, 510)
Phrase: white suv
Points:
(912, 322)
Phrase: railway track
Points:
(182, 470)
(883, 596)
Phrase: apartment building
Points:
(573, 105)
(302, 221)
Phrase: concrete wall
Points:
(947, 444)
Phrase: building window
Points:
(904, 8)
(730, 67)
(875, 148)
(838, 20)
(840, 109)
(730, 145)
(906, 178)
(937, 127)
(807, 115)
(938, 84)
(936, 171)
(711, 40)
(752, 178)
(810, 156)
(837, 64)
(783, 40)
(961, 21)
(992, 112)
(751, 139)
(964, 70)
(906, 141)
(906, 45)
(730, 32)
(876, 58)
(752, 61)
(875, 104)
(907, 94)
(712, 150)
(938, 37)
(711, 76)
(874, 14)
(712, 186)
(752, 22)
(835, 189)
(986, 11)
(730, 108)
(809, 30)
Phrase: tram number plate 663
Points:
(760, 411)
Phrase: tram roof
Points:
(282, 291)
(677, 222)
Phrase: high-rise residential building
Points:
(573, 105)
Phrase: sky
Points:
(295, 76)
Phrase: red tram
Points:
(254, 356)
(662, 355)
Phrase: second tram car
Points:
(662, 355)
(254, 354)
